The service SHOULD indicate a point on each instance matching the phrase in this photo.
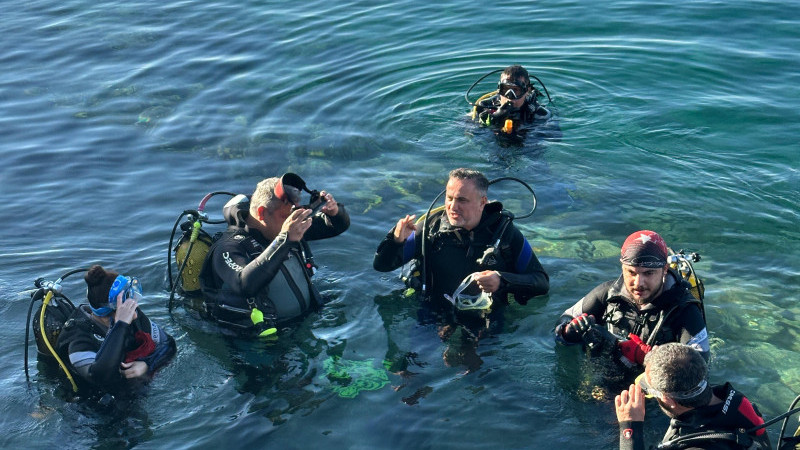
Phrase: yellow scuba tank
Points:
(682, 264)
(190, 276)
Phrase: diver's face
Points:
(643, 283)
(519, 92)
(272, 221)
(463, 203)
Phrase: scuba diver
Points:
(111, 341)
(469, 249)
(702, 416)
(649, 304)
(513, 104)
(257, 274)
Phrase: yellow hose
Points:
(46, 302)
(483, 97)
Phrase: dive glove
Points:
(574, 330)
(633, 350)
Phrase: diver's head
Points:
(465, 197)
(271, 204)
(677, 376)
(103, 287)
(644, 265)
(514, 86)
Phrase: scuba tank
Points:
(48, 321)
(682, 264)
(190, 250)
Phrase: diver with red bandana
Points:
(648, 305)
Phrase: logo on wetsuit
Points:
(227, 257)
(728, 401)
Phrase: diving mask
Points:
(650, 392)
(465, 302)
(131, 287)
(289, 188)
(512, 90)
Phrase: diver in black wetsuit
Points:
(716, 417)
(111, 340)
(648, 305)
(258, 273)
(516, 99)
(459, 237)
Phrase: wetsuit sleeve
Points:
(105, 369)
(692, 330)
(527, 277)
(594, 303)
(631, 435)
(324, 226)
(244, 277)
(391, 255)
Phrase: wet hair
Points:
(480, 180)
(264, 195)
(98, 284)
(677, 368)
(516, 72)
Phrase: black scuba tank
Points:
(57, 313)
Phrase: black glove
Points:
(577, 327)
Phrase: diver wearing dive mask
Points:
(258, 273)
(111, 339)
(515, 99)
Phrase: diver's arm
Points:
(693, 331)
(324, 226)
(391, 254)
(526, 278)
(631, 435)
(244, 277)
(593, 303)
(105, 369)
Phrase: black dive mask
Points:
(512, 90)
(289, 189)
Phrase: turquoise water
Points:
(117, 116)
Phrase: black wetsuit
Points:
(489, 112)
(95, 351)
(735, 412)
(673, 316)
(452, 253)
(243, 271)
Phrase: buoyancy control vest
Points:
(454, 252)
(622, 316)
(287, 296)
